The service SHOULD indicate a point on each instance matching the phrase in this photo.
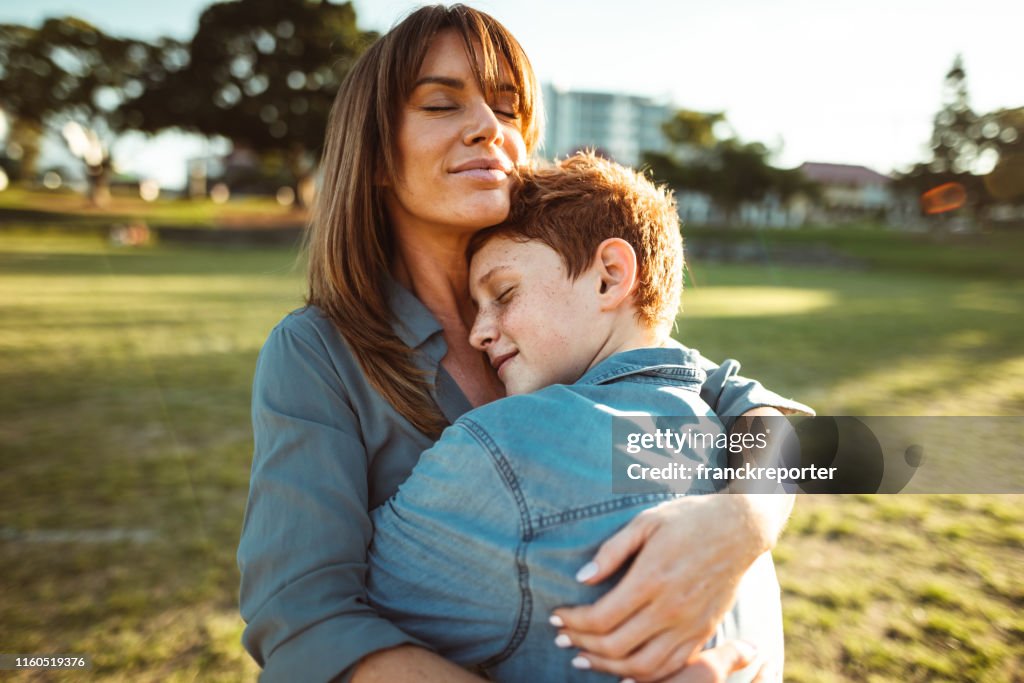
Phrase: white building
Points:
(620, 126)
(850, 193)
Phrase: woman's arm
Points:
(408, 663)
(302, 553)
(683, 580)
(690, 557)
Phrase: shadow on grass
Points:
(877, 324)
(152, 261)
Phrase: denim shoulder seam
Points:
(680, 372)
(687, 385)
(507, 475)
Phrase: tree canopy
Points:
(262, 73)
(730, 172)
(78, 77)
(982, 152)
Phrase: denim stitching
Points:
(595, 509)
(525, 596)
(665, 381)
(677, 371)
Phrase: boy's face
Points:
(536, 325)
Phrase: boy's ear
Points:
(615, 261)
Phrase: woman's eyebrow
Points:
(455, 83)
(459, 84)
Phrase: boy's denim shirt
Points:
(484, 538)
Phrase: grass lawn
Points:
(125, 449)
(71, 208)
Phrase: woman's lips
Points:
(490, 175)
(485, 169)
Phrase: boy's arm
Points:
(729, 394)
(444, 544)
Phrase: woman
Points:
(421, 147)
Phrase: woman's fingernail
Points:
(628, 680)
(747, 650)
(563, 641)
(556, 621)
(586, 571)
(581, 662)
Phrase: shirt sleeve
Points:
(730, 395)
(302, 553)
(443, 563)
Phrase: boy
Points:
(577, 293)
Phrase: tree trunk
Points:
(27, 136)
(305, 191)
(730, 216)
(302, 171)
(99, 184)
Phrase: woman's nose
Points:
(483, 126)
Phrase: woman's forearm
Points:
(408, 663)
(665, 591)
(763, 516)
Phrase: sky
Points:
(840, 81)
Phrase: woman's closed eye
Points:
(506, 107)
(506, 114)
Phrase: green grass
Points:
(126, 374)
(72, 209)
(865, 342)
(983, 255)
(125, 406)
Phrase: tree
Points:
(69, 76)
(694, 129)
(262, 73)
(20, 154)
(967, 146)
(1004, 129)
(730, 172)
(955, 134)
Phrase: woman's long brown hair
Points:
(349, 242)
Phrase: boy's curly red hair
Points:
(583, 200)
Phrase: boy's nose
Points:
(482, 334)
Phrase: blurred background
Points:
(851, 182)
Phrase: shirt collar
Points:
(411, 320)
(667, 362)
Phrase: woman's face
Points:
(456, 147)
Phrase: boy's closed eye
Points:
(505, 296)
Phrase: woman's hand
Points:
(691, 554)
(715, 665)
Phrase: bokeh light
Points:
(52, 180)
(220, 193)
(285, 196)
(149, 190)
